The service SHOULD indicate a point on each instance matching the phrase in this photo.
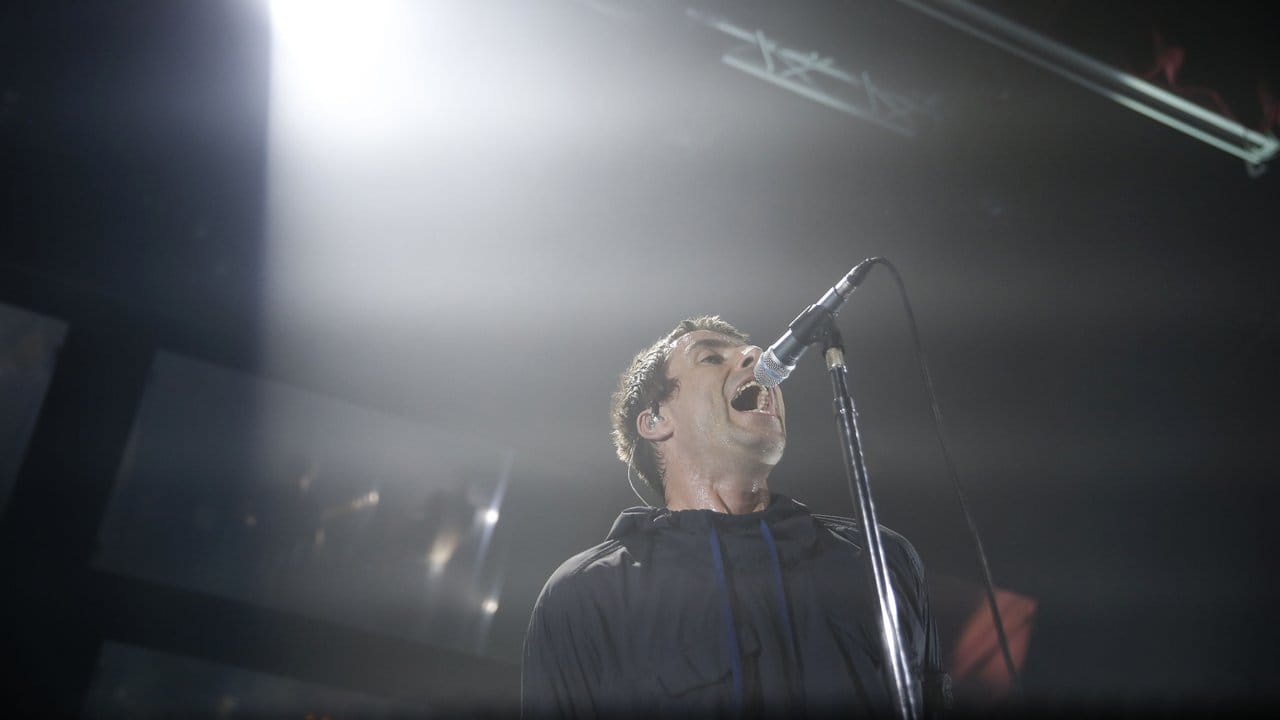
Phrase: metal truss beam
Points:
(1128, 90)
(817, 78)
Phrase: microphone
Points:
(776, 363)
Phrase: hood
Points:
(793, 528)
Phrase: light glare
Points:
(341, 68)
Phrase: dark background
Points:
(1094, 291)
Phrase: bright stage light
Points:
(341, 65)
(330, 29)
(331, 33)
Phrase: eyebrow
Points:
(718, 343)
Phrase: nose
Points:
(750, 354)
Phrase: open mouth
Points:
(750, 398)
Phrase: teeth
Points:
(744, 388)
(762, 395)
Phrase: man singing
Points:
(731, 600)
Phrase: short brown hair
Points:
(644, 385)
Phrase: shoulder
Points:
(586, 574)
(898, 550)
(845, 527)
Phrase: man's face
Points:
(718, 407)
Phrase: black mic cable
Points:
(955, 475)
(777, 362)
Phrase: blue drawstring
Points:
(777, 582)
(730, 631)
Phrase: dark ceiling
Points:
(1093, 289)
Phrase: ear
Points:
(652, 427)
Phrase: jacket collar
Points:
(789, 521)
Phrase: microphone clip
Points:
(813, 324)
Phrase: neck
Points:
(732, 493)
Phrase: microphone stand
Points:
(906, 702)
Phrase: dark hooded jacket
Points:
(698, 613)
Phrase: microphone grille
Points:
(770, 371)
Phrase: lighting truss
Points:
(1128, 90)
(819, 79)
